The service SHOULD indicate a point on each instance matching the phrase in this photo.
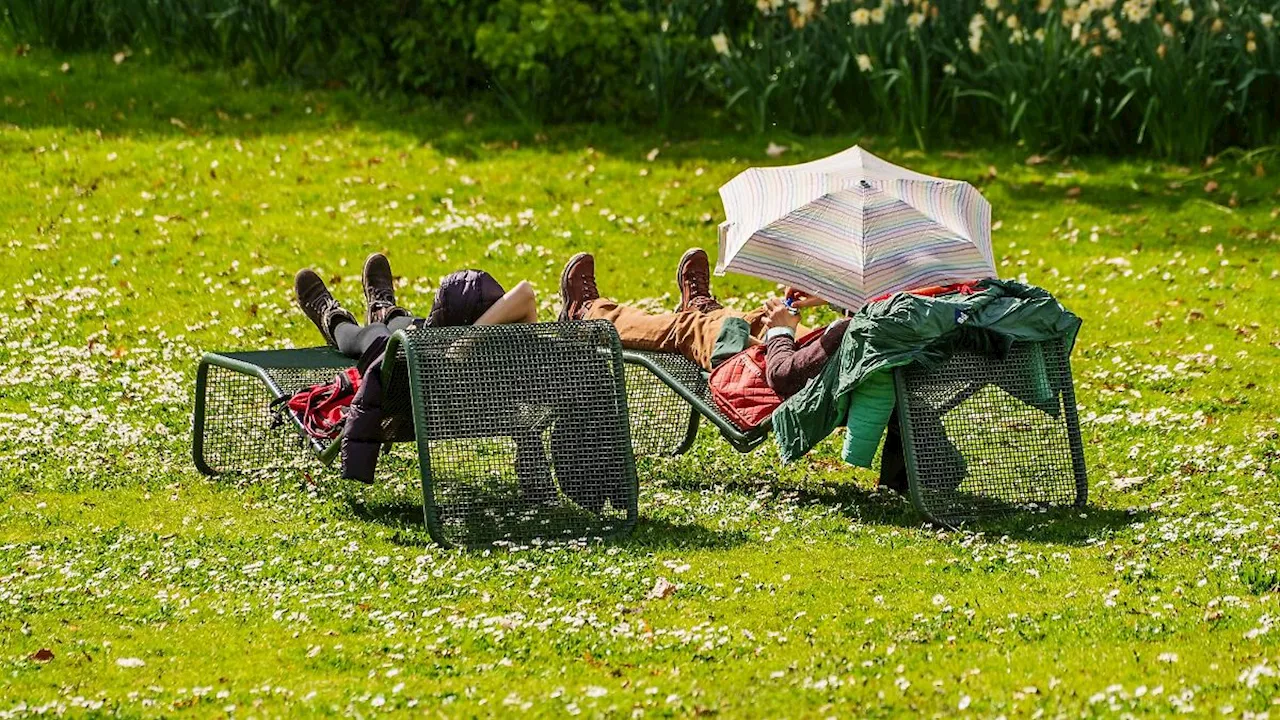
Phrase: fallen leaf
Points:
(1210, 186)
(653, 155)
(42, 655)
(774, 150)
(1073, 192)
(662, 589)
(1037, 160)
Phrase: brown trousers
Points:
(690, 333)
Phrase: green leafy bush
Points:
(1173, 78)
(559, 59)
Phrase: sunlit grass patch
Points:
(748, 587)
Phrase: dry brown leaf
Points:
(1211, 186)
(42, 655)
(662, 589)
(1073, 192)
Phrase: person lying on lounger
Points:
(466, 297)
(707, 333)
(703, 330)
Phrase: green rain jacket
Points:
(856, 388)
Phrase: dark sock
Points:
(353, 340)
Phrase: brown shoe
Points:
(318, 304)
(693, 275)
(578, 287)
(379, 290)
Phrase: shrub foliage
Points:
(1174, 78)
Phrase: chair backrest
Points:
(985, 436)
(522, 429)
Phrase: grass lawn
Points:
(147, 215)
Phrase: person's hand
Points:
(802, 299)
(777, 314)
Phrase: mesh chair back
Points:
(985, 436)
(662, 422)
(522, 430)
(235, 430)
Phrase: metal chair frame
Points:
(666, 396)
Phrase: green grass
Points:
(149, 215)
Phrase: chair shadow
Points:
(406, 519)
(1066, 525)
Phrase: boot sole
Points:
(364, 283)
(564, 286)
(680, 274)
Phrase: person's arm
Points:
(788, 367)
(518, 306)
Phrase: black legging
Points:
(354, 339)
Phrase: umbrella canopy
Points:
(851, 227)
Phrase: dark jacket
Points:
(364, 434)
(788, 367)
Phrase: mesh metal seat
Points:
(981, 436)
(668, 395)
(985, 436)
(234, 429)
(521, 430)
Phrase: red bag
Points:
(322, 409)
(740, 389)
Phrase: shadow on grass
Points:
(406, 518)
(143, 97)
(1068, 525)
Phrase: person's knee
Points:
(523, 291)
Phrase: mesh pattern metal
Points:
(522, 431)
(661, 420)
(240, 433)
(985, 436)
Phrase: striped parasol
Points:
(851, 227)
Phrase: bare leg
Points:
(518, 306)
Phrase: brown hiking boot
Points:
(379, 290)
(318, 304)
(578, 287)
(693, 275)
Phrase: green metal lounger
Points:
(521, 430)
(981, 436)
